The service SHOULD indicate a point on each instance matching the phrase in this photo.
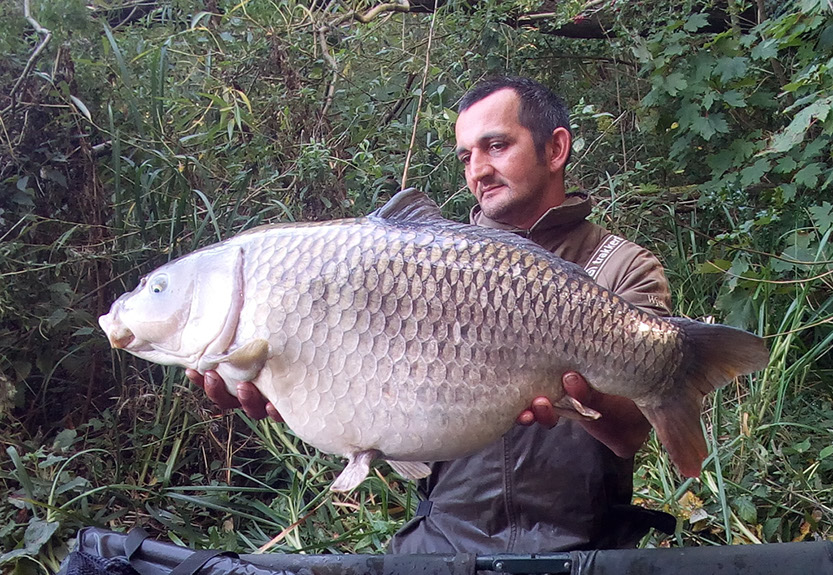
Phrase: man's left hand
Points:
(622, 427)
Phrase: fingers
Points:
(544, 412)
(622, 427)
(215, 389)
(577, 387)
(252, 402)
(526, 418)
(273, 413)
(248, 397)
(195, 377)
(541, 411)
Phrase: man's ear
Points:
(559, 149)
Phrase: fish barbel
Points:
(405, 336)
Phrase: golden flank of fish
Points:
(407, 337)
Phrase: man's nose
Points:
(479, 165)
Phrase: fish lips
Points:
(119, 335)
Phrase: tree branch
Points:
(47, 36)
(396, 6)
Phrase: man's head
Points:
(514, 141)
(541, 111)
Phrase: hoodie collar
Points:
(575, 209)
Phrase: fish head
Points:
(182, 310)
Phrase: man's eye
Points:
(497, 146)
(465, 159)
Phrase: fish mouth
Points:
(118, 334)
(121, 339)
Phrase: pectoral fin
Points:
(358, 466)
(241, 364)
(572, 408)
(412, 470)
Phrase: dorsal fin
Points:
(410, 206)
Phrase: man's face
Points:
(512, 184)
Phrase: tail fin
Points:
(713, 355)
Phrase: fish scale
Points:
(407, 337)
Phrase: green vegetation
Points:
(129, 136)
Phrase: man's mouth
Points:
(485, 190)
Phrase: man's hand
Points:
(248, 397)
(622, 427)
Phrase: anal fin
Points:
(412, 470)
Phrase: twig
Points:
(280, 536)
(592, 4)
(325, 52)
(397, 6)
(421, 95)
(367, 17)
(47, 36)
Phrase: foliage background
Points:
(134, 133)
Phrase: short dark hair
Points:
(541, 110)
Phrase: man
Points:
(547, 487)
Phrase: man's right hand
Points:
(248, 397)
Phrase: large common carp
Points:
(408, 337)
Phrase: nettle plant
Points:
(746, 116)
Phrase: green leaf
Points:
(766, 50)
(689, 113)
(738, 305)
(785, 165)
(755, 173)
(640, 50)
(814, 148)
(714, 267)
(38, 533)
(730, 68)
(826, 38)
(675, 83)
(808, 176)
(695, 22)
(720, 162)
(793, 134)
(822, 216)
(788, 191)
(734, 99)
(708, 126)
(81, 108)
(802, 446)
(771, 527)
(826, 452)
(708, 99)
(64, 439)
(745, 509)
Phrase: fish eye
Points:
(158, 284)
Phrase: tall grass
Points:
(769, 474)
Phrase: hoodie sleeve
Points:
(637, 275)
